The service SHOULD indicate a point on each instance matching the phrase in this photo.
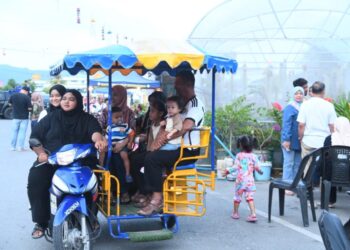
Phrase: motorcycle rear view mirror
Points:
(33, 142)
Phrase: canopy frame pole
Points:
(88, 90)
(109, 123)
(213, 128)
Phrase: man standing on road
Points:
(156, 161)
(21, 107)
(316, 120)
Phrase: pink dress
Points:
(245, 164)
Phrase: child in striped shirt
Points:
(120, 132)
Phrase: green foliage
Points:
(232, 120)
(342, 107)
(57, 80)
(30, 84)
(11, 84)
(268, 131)
(46, 89)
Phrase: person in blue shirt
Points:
(289, 136)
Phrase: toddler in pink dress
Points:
(245, 164)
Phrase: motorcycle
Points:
(73, 193)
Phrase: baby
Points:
(173, 122)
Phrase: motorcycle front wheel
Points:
(72, 233)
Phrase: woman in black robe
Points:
(67, 125)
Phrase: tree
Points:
(57, 80)
(30, 84)
(11, 84)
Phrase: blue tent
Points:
(133, 79)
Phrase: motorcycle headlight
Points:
(66, 158)
(61, 185)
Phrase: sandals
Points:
(331, 205)
(136, 197)
(235, 216)
(290, 193)
(153, 207)
(125, 199)
(142, 202)
(38, 231)
(252, 218)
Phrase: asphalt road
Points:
(215, 230)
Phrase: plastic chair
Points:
(301, 185)
(336, 171)
(332, 231)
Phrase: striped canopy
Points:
(156, 56)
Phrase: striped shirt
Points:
(194, 110)
(118, 132)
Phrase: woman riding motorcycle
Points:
(67, 125)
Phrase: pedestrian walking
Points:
(245, 164)
(22, 105)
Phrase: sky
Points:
(36, 34)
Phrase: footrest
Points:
(154, 235)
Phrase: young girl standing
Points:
(245, 164)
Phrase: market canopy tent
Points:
(156, 56)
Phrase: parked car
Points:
(5, 108)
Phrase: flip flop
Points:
(154, 207)
(252, 218)
(38, 232)
(235, 216)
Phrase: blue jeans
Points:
(291, 162)
(170, 146)
(19, 130)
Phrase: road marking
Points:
(279, 220)
(291, 226)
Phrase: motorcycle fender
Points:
(69, 205)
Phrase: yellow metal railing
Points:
(184, 190)
(105, 194)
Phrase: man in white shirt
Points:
(156, 161)
(316, 120)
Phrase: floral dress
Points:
(245, 164)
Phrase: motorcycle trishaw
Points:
(184, 188)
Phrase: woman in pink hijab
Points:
(340, 137)
(119, 99)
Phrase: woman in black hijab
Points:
(70, 124)
(56, 93)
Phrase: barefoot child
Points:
(173, 122)
(121, 132)
(245, 164)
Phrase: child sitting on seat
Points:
(173, 122)
(245, 164)
(121, 132)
